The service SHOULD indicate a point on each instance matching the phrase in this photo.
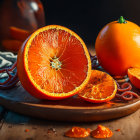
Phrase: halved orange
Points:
(134, 76)
(101, 88)
(54, 63)
(18, 33)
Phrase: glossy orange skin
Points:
(118, 47)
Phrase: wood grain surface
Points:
(39, 129)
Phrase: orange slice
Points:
(101, 88)
(134, 76)
(102, 132)
(78, 132)
(54, 63)
(19, 34)
(11, 45)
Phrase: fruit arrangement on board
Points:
(54, 63)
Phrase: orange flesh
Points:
(134, 76)
(135, 72)
(45, 48)
(78, 132)
(102, 132)
(100, 86)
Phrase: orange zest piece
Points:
(54, 63)
(134, 76)
(19, 34)
(102, 132)
(101, 88)
(78, 132)
(11, 45)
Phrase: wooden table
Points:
(14, 126)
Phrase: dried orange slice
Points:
(54, 63)
(102, 132)
(134, 76)
(78, 132)
(19, 34)
(101, 88)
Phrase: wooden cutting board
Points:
(72, 109)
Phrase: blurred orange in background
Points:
(18, 19)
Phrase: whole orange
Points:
(118, 47)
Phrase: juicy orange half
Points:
(134, 76)
(54, 63)
(101, 88)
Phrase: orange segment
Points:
(19, 34)
(57, 63)
(134, 76)
(101, 88)
(11, 45)
(102, 132)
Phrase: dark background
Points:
(87, 17)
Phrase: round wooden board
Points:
(72, 109)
